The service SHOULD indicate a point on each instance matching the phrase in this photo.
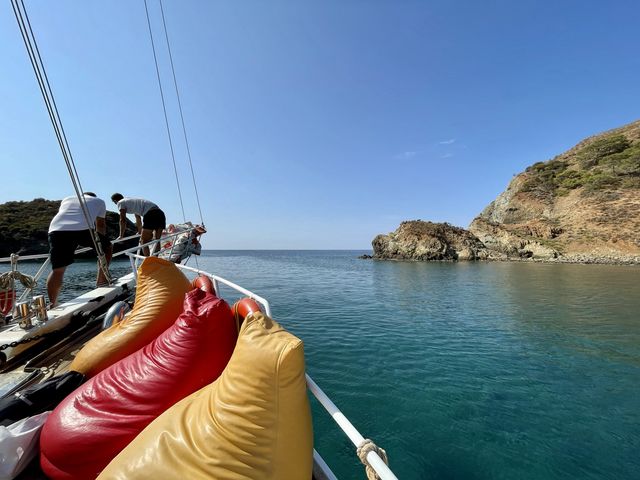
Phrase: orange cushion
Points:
(159, 296)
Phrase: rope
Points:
(164, 108)
(184, 130)
(7, 280)
(33, 51)
(363, 450)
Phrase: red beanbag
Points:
(100, 418)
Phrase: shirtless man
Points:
(150, 220)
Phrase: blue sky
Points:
(314, 124)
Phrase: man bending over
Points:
(67, 231)
(150, 220)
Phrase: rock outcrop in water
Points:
(419, 240)
(581, 206)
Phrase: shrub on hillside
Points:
(626, 162)
(592, 154)
(542, 177)
(606, 163)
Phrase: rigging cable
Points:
(184, 130)
(29, 39)
(164, 108)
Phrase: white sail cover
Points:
(180, 247)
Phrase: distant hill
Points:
(581, 206)
(24, 226)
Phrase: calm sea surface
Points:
(460, 371)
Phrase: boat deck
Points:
(77, 310)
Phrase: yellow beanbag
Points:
(159, 297)
(254, 422)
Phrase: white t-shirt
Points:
(136, 206)
(71, 218)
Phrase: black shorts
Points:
(63, 243)
(154, 220)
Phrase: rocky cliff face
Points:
(418, 240)
(583, 205)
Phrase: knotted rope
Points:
(363, 450)
(7, 280)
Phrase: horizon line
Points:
(283, 249)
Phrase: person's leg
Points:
(86, 239)
(153, 223)
(62, 244)
(145, 237)
(108, 252)
(157, 235)
(54, 284)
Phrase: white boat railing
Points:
(133, 257)
(347, 427)
(373, 459)
(41, 256)
(27, 291)
(216, 280)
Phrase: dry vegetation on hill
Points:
(583, 205)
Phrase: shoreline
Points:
(606, 260)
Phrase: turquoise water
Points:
(460, 371)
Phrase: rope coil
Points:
(8, 286)
(363, 450)
(7, 280)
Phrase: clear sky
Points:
(314, 125)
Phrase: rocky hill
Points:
(581, 206)
(419, 240)
(24, 227)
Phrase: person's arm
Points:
(101, 225)
(139, 224)
(123, 222)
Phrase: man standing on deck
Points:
(150, 220)
(67, 231)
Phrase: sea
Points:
(458, 370)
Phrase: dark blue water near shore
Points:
(462, 371)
